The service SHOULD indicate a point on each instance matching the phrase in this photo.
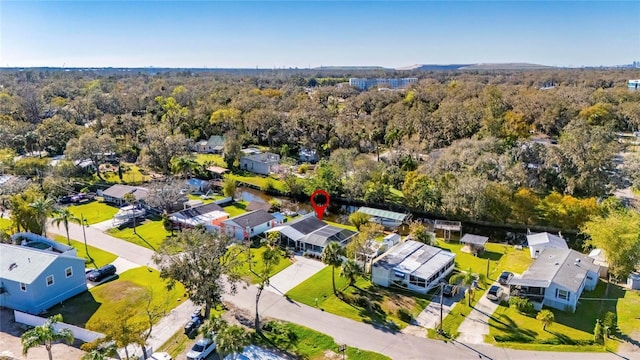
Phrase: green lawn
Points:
(214, 158)
(259, 180)
(312, 345)
(382, 306)
(94, 212)
(100, 257)
(257, 264)
(131, 174)
(178, 342)
(238, 208)
(128, 291)
(150, 234)
(5, 224)
(344, 226)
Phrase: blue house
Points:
(39, 273)
(197, 185)
(248, 225)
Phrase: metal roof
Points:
(564, 267)
(118, 191)
(415, 258)
(23, 264)
(379, 213)
(307, 224)
(546, 238)
(251, 219)
(329, 233)
(474, 239)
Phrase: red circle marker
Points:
(319, 208)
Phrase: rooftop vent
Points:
(13, 266)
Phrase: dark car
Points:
(495, 293)
(449, 290)
(505, 277)
(194, 323)
(96, 275)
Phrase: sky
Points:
(273, 34)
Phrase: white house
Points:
(248, 225)
(209, 215)
(556, 279)
(311, 235)
(39, 273)
(115, 194)
(214, 145)
(540, 241)
(412, 265)
(600, 259)
(263, 163)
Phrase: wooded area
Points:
(498, 146)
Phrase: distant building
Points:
(364, 84)
(311, 235)
(39, 273)
(412, 265)
(540, 241)
(264, 163)
(115, 194)
(634, 85)
(248, 225)
(308, 155)
(214, 145)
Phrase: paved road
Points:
(393, 344)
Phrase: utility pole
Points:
(84, 234)
(441, 300)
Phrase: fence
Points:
(78, 333)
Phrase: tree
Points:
(204, 266)
(270, 258)
(332, 256)
(183, 165)
(419, 232)
(546, 317)
(364, 241)
(229, 185)
(420, 192)
(618, 235)
(165, 195)
(46, 335)
(358, 219)
(90, 146)
(231, 340)
(42, 208)
(231, 150)
(122, 329)
(350, 270)
(63, 216)
(466, 278)
(598, 332)
(130, 199)
(153, 311)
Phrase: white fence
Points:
(79, 333)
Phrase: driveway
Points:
(302, 269)
(476, 325)
(429, 318)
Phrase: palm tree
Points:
(43, 207)
(546, 317)
(183, 165)
(64, 215)
(46, 335)
(231, 341)
(332, 256)
(465, 278)
(351, 270)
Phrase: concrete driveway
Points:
(429, 318)
(292, 276)
(476, 325)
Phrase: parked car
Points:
(449, 290)
(96, 275)
(201, 349)
(160, 356)
(196, 320)
(505, 277)
(495, 293)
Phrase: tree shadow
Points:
(491, 255)
(514, 333)
(77, 310)
(146, 242)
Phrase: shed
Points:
(474, 244)
(389, 219)
(447, 226)
(633, 281)
(217, 171)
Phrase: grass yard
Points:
(309, 344)
(178, 342)
(257, 264)
(362, 302)
(344, 226)
(126, 293)
(212, 158)
(5, 224)
(94, 212)
(259, 180)
(149, 234)
(131, 174)
(100, 257)
(238, 208)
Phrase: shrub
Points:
(404, 315)
(302, 169)
(269, 185)
(523, 305)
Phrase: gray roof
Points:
(197, 211)
(546, 238)
(564, 267)
(325, 235)
(263, 158)
(310, 230)
(250, 219)
(257, 205)
(415, 258)
(215, 140)
(29, 263)
(379, 213)
(474, 239)
(119, 190)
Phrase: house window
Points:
(68, 271)
(49, 280)
(23, 286)
(563, 294)
(417, 281)
(399, 275)
(589, 278)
